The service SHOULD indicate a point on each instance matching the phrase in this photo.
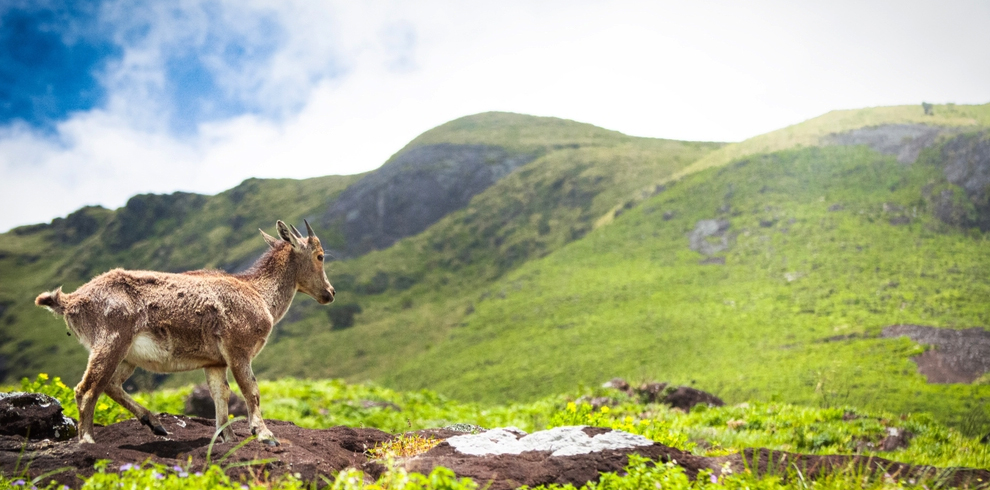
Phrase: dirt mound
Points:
(958, 356)
(308, 452)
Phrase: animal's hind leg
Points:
(115, 390)
(103, 362)
(216, 379)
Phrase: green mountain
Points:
(543, 253)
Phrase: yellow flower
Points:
(571, 407)
(102, 406)
(644, 422)
(43, 376)
(604, 409)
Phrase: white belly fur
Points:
(148, 353)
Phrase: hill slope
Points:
(575, 173)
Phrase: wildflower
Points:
(644, 422)
(198, 473)
(158, 476)
(125, 467)
(102, 406)
(605, 409)
(712, 478)
(43, 376)
(571, 407)
(17, 483)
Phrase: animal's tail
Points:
(51, 300)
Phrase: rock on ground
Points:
(34, 415)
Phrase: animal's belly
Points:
(149, 353)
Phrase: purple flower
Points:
(125, 467)
(177, 468)
(712, 478)
(17, 483)
(158, 476)
(198, 473)
(183, 474)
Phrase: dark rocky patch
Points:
(34, 416)
(685, 397)
(414, 190)
(957, 356)
(967, 164)
(905, 141)
(199, 403)
(311, 453)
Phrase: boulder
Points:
(35, 416)
(200, 404)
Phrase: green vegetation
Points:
(632, 300)
(709, 431)
(811, 132)
(576, 268)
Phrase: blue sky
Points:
(105, 99)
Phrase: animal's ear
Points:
(270, 240)
(283, 231)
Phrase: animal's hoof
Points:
(156, 428)
(86, 439)
(270, 442)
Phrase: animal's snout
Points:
(327, 296)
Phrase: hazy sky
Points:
(107, 99)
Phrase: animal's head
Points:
(306, 258)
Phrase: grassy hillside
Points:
(175, 232)
(576, 267)
(811, 132)
(632, 300)
(580, 172)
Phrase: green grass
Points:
(632, 300)
(811, 132)
(710, 431)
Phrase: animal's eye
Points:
(319, 257)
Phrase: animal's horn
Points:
(294, 230)
(309, 229)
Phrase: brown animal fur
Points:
(166, 322)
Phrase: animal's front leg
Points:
(116, 391)
(249, 388)
(216, 379)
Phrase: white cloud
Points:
(349, 83)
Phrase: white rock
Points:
(560, 441)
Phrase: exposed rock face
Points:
(35, 416)
(959, 356)
(710, 236)
(967, 165)
(413, 191)
(200, 404)
(559, 441)
(902, 140)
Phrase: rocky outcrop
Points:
(905, 141)
(710, 236)
(35, 416)
(414, 190)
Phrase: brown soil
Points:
(321, 452)
(957, 356)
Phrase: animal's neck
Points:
(274, 280)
